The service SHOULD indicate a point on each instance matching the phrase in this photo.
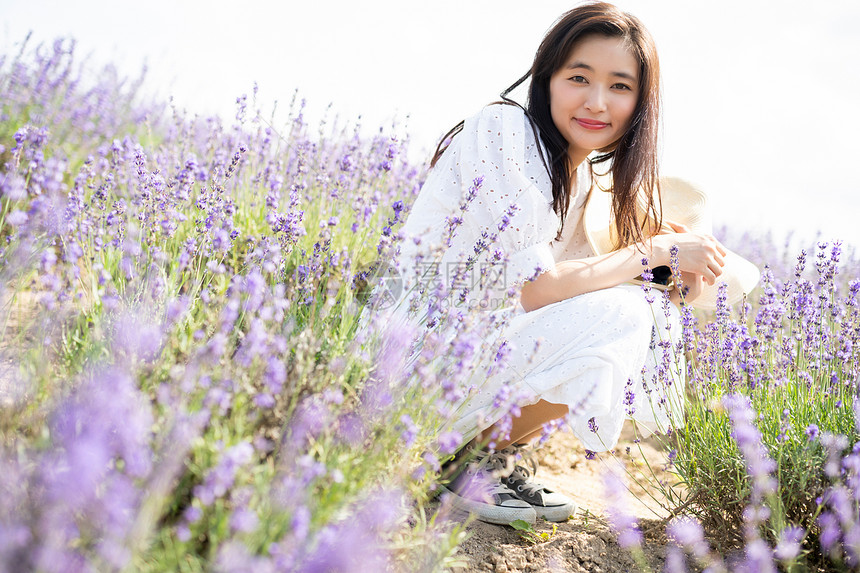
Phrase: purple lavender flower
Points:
(835, 444)
(623, 523)
(759, 468)
(13, 186)
(830, 532)
(675, 562)
(352, 428)
(17, 218)
(235, 556)
(221, 477)
(243, 521)
(629, 398)
(138, 338)
(264, 400)
(788, 544)
(85, 481)
(355, 544)
(688, 533)
(300, 523)
(759, 556)
(647, 277)
(410, 430)
(347, 164)
(449, 442)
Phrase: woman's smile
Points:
(591, 123)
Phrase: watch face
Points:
(662, 275)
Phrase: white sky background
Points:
(761, 99)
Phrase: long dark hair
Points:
(634, 166)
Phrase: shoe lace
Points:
(492, 467)
(522, 472)
(497, 464)
(528, 467)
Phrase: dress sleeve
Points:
(513, 202)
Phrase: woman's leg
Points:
(529, 423)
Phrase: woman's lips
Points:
(590, 123)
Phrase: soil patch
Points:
(585, 542)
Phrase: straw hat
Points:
(685, 204)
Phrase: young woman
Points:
(508, 187)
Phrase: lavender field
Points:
(193, 377)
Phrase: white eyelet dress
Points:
(598, 352)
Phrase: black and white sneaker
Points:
(478, 489)
(548, 504)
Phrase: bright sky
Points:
(761, 99)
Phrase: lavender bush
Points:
(182, 383)
(767, 459)
(768, 454)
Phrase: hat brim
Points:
(740, 276)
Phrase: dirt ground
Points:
(585, 543)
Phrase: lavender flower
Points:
(647, 277)
(449, 442)
(688, 533)
(221, 478)
(352, 545)
(410, 430)
(243, 521)
(788, 544)
(623, 523)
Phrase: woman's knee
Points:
(626, 305)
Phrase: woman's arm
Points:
(698, 254)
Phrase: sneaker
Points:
(479, 491)
(548, 504)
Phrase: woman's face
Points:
(592, 97)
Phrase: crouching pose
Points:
(511, 184)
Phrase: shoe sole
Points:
(557, 514)
(498, 514)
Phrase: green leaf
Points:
(522, 525)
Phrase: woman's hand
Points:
(692, 285)
(697, 254)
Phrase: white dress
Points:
(592, 352)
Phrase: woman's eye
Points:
(622, 87)
(578, 79)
